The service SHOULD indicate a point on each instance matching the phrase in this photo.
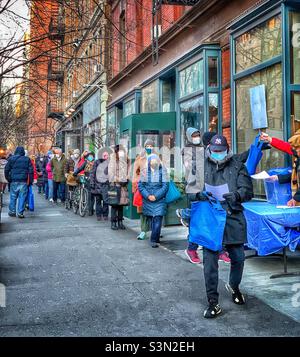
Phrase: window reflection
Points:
(191, 79)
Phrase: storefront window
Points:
(167, 96)
(129, 108)
(295, 47)
(272, 78)
(191, 115)
(111, 127)
(213, 112)
(295, 117)
(259, 44)
(212, 71)
(191, 79)
(150, 98)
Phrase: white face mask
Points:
(196, 141)
(76, 156)
(121, 155)
(57, 155)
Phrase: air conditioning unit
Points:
(98, 68)
(156, 31)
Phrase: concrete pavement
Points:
(72, 276)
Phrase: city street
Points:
(72, 276)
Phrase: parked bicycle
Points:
(80, 197)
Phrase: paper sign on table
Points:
(261, 176)
(217, 191)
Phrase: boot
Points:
(114, 225)
(121, 225)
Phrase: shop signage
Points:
(258, 107)
(91, 108)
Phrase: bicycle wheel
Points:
(83, 202)
(76, 200)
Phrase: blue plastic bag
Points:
(277, 193)
(173, 193)
(255, 155)
(30, 199)
(207, 224)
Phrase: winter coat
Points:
(40, 173)
(118, 170)
(99, 177)
(19, 167)
(58, 169)
(3, 163)
(69, 166)
(154, 183)
(193, 161)
(45, 173)
(49, 171)
(233, 172)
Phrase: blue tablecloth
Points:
(269, 229)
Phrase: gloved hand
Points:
(201, 197)
(232, 197)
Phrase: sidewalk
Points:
(277, 293)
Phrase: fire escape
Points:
(55, 74)
(156, 30)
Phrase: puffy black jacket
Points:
(234, 173)
(19, 167)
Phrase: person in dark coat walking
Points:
(19, 173)
(153, 186)
(222, 168)
(39, 163)
(99, 185)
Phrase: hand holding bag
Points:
(207, 224)
(255, 155)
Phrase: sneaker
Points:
(224, 257)
(58, 201)
(99, 218)
(193, 256)
(141, 236)
(12, 214)
(21, 215)
(237, 297)
(212, 311)
(182, 221)
(51, 200)
(154, 245)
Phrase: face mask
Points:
(121, 155)
(41, 159)
(219, 156)
(196, 141)
(90, 158)
(57, 155)
(148, 151)
(76, 156)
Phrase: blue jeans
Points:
(46, 189)
(50, 189)
(59, 191)
(18, 192)
(156, 223)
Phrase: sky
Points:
(14, 25)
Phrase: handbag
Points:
(137, 199)
(113, 195)
(173, 193)
(255, 155)
(30, 199)
(207, 224)
(124, 197)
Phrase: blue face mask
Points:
(90, 158)
(219, 156)
(148, 151)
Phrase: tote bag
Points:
(137, 199)
(255, 155)
(114, 195)
(30, 199)
(173, 193)
(207, 225)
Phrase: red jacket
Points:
(35, 176)
(282, 146)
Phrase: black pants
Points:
(101, 207)
(116, 213)
(211, 269)
(59, 191)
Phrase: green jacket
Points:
(58, 169)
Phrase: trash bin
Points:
(278, 194)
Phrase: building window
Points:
(150, 98)
(213, 102)
(191, 115)
(295, 112)
(111, 127)
(129, 108)
(259, 44)
(295, 47)
(122, 41)
(167, 94)
(191, 79)
(212, 71)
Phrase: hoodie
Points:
(19, 167)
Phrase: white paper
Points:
(217, 191)
(261, 176)
(287, 206)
